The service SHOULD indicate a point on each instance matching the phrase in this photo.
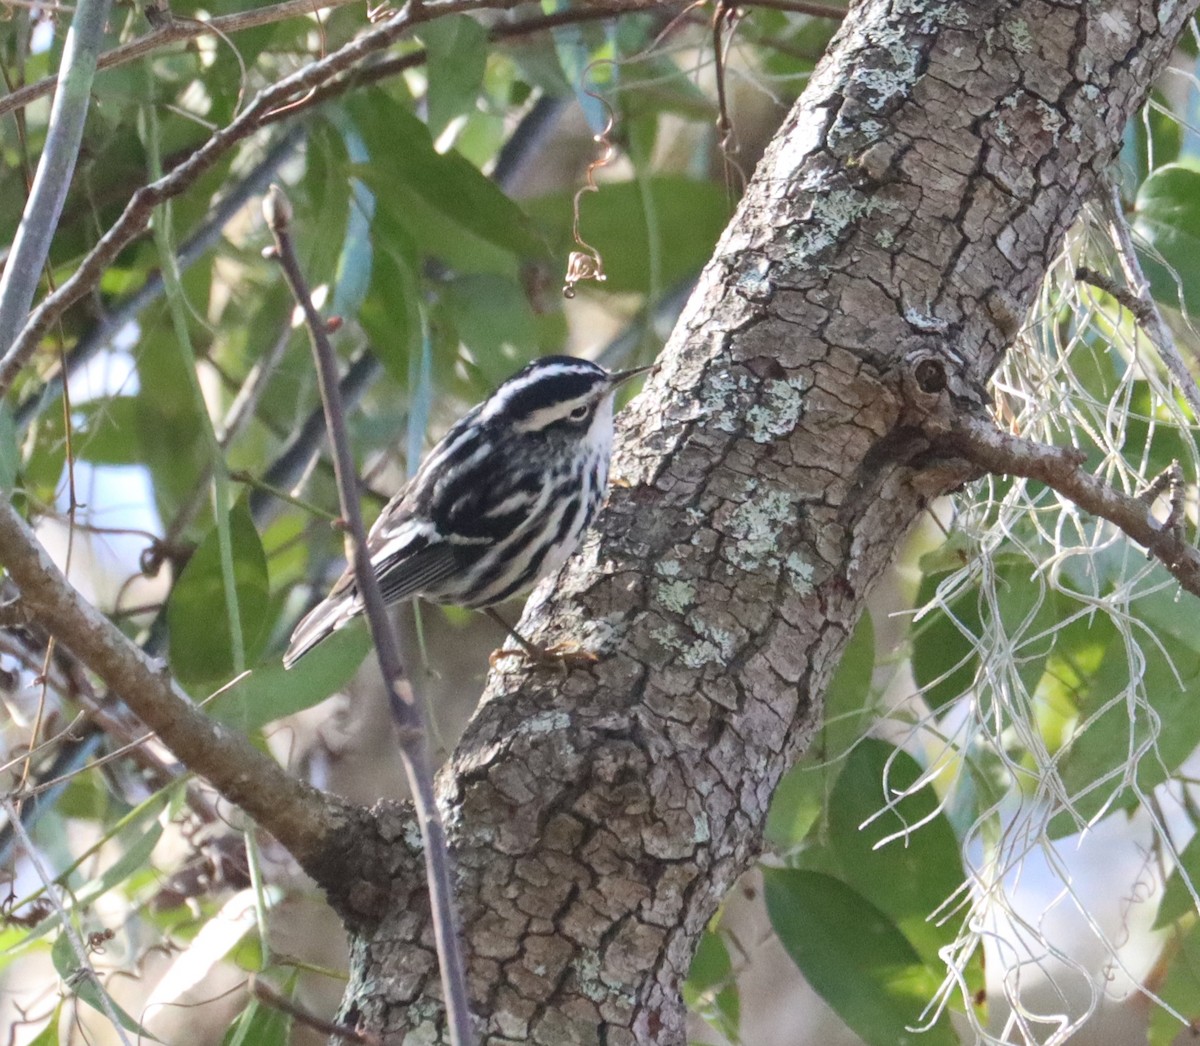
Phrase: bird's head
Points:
(556, 394)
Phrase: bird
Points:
(500, 502)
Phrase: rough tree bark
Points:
(902, 219)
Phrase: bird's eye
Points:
(580, 412)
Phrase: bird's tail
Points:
(321, 622)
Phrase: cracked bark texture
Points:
(906, 211)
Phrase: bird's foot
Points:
(562, 655)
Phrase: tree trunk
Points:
(892, 239)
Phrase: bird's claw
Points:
(564, 655)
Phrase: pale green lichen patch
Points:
(1021, 37)
(754, 528)
(701, 834)
(723, 639)
(800, 573)
(830, 215)
(717, 401)
(676, 595)
(668, 567)
(545, 723)
(779, 411)
(702, 652)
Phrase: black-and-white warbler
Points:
(499, 503)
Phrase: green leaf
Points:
(1167, 217)
(408, 167)
(201, 650)
(270, 692)
(909, 877)
(848, 703)
(492, 317)
(689, 216)
(106, 430)
(458, 48)
(48, 1036)
(710, 989)
(1180, 989)
(391, 311)
(855, 957)
(1176, 899)
(84, 987)
(260, 1025)
(797, 803)
(1153, 139)
(134, 858)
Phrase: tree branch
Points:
(978, 440)
(303, 819)
(23, 269)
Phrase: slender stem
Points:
(218, 472)
(31, 247)
(405, 709)
(68, 926)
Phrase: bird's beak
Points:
(619, 377)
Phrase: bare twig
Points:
(405, 709)
(265, 993)
(1122, 295)
(979, 441)
(23, 268)
(1148, 314)
(68, 927)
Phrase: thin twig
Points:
(77, 945)
(406, 710)
(1149, 316)
(265, 993)
(1122, 295)
(978, 440)
(31, 247)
